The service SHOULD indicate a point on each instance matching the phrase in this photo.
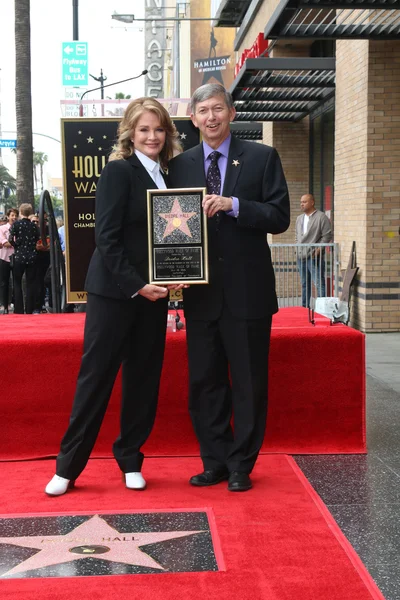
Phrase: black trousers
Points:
(5, 270)
(130, 333)
(30, 275)
(42, 264)
(228, 374)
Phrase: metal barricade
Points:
(305, 271)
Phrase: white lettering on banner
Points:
(154, 71)
(154, 4)
(152, 49)
(154, 91)
(214, 62)
(154, 40)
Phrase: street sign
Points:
(75, 68)
(72, 110)
(8, 143)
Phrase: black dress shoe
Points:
(239, 482)
(209, 477)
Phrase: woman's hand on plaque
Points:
(153, 292)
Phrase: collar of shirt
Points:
(152, 167)
(223, 148)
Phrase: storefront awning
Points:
(335, 19)
(230, 13)
(282, 89)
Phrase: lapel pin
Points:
(236, 163)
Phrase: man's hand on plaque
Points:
(153, 292)
(213, 204)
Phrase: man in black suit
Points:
(229, 320)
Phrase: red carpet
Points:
(278, 541)
(317, 388)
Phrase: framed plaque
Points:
(177, 236)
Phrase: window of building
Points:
(322, 144)
(322, 141)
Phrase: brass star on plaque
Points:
(90, 139)
(183, 136)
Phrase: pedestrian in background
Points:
(6, 253)
(23, 236)
(312, 227)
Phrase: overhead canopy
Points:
(335, 19)
(230, 13)
(247, 131)
(282, 89)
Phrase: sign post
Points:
(75, 68)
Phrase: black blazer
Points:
(240, 267)
(119, 266)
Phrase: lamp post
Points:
(101, 80)
(104, 86)
(75, 20)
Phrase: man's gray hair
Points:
(207, 91)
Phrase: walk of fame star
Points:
(93, 538)
(176, 219)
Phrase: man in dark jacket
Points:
(229, 320)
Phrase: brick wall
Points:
(351, 118)
(382, 270)
(367, 177)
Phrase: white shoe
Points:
(58, 486)
(135, 481)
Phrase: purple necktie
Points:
(213, 179)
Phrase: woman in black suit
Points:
(126, 317)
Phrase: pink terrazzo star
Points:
(177, 219)
(117, 547)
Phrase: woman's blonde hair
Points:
(133, 112)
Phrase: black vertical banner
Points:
(87, 144)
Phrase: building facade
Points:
(336, 126)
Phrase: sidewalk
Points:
(383, 358)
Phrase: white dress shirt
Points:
(153, 169)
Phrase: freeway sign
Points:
(8, 143)
(75, 69)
